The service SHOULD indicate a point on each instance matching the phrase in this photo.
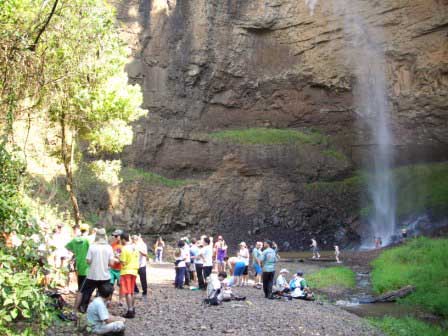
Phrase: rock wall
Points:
(209, 65)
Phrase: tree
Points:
(65, 58)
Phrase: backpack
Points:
(214, 298)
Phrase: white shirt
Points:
(100, 256)
(244, 255)
(207, 253)
(186, 253)
(142, 247)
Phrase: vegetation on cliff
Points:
(423, 263)
(269, 136)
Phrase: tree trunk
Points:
(67, 160)
(394, 295)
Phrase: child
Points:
(180, 267)
(98, 315)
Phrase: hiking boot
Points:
(129, 314)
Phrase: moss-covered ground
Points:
(332, 276)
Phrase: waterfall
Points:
(367, 60)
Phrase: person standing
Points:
(79, 246)
(129, 259)
(207, 254)
(268, 259)
(337, 253)
(315, 249)
(244, 255)
(158, 248)
(99, 256)
(187, 258)
(142, 249)
(256, 254)
(221, 253)
(199, 264)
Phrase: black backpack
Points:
(213, 300)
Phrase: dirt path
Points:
(168, 311)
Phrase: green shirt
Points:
(79, 246)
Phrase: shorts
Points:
(239, 269)
(81, 279)
(114, 276)
(127, 284)
(246, 270)
(257, 269)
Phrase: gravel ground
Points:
(168, 311)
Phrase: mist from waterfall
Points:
(365, 56)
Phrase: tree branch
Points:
(41, 31)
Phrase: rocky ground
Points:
(167, 311)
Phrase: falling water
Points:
(367, 59)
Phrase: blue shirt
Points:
(97, 313)
(256, 254)
(269, 259)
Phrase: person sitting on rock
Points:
(98, 316)
(299, 288)
(281, 284)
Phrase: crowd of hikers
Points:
(104, 265)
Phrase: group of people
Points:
(100, 265)
(201, 260)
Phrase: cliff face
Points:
(213, 65)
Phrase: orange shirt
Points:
(116, 247)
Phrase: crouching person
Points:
(299, 288)
(98, 316)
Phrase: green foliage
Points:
(107, 171)
(423, 263)
(335, 154)
(422, 188)
(407, 326)
(269, 136)
(20, 296)
(332, 276)
(133, 174)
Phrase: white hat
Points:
(100, 236)
(284, 270)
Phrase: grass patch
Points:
(335, 154)
(406, 327)
(332, 276)
(134, 174)
(422, 262)
(269, 136)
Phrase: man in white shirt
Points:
(187, 258)
(99, 256)
(142, 248)
(207, 254)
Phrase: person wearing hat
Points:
(99, 257)
(79, 247)
(281, 284)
